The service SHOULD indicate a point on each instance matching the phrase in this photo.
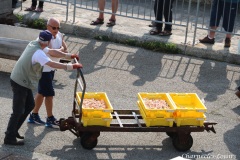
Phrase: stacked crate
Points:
(156, 117)
(95, 116)
(189, 109)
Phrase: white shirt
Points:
(55, 43)
(40, 57)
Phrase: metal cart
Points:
(181, 136)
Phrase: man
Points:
(163, 8)
(100, 19)
(226, 9)
(24, 77)
(45, 85)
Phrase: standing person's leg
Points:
(216, 14)
(158, 10)
(40, 6)
(101, 7)
(114, 9)
(112, 20)
(229, 15)
(168, 14)
(33, 6)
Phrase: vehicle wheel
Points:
(183, 145)
(88, 141)
(62, 124)
(171, 134)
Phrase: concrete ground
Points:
(123, 71)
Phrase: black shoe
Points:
(207, 40)
(227, 43)
(14, 5)
(19, 136)
(13, 142)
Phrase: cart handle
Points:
(83, 88)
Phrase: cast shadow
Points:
(146, 68)
(231, 137)
(212, 79)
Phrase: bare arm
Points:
(64, 46)
(68, 66)
(56, 65)
(56, 53)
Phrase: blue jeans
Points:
(227, 11)
(23, 104)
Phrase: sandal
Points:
(97, 22)
(154, 31)
(30, 8)
(38, 10)
(111, 23)
(165, 33)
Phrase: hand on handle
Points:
(73, 66)
(75, 56)
(71, 56)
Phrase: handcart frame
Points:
(181, 136)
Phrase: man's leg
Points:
(168, 14)
(114, 9)
(38, 103)
(158, 7)
(101, 6)
(49, 105)
(19, 103)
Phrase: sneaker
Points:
(207, 40)
(35, 118)
(227, 43)
(52, 122)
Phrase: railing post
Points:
(189, 14)
(196, 22)
(74, 11)
(67, 10)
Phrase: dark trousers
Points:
(226, 10)
(163, 7)
(34, 3)
(23, 104)
(14, 1)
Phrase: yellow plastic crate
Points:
(188, 105)
(157, 113)
(97, 121)
(190, 121)
(95, 113)
(154, 121)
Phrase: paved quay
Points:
(127, 28)
(224, 143)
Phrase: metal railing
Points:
(191, 15)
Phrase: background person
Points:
(100, 19)
(162, 8)
(225, 9)
(34, 5)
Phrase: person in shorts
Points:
(225, 9)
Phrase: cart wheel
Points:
(88, 141)
(62, 125)
(183, 145)
(171, 134)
